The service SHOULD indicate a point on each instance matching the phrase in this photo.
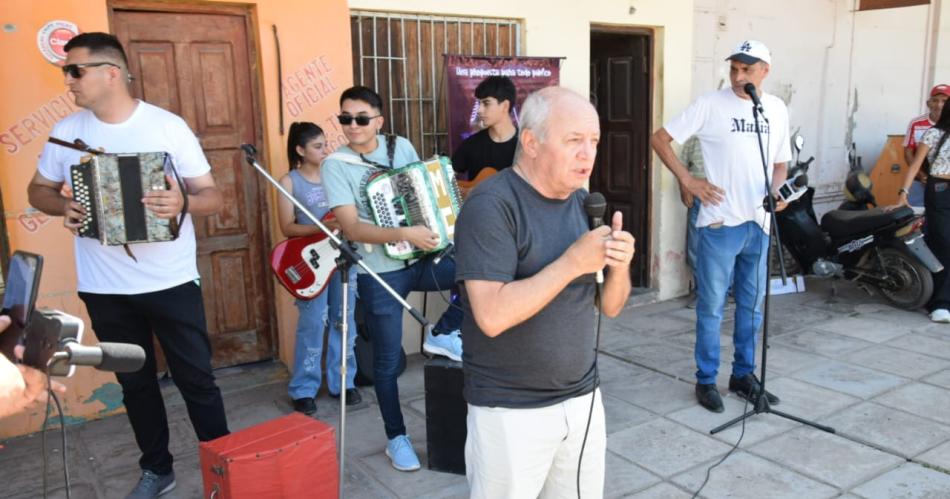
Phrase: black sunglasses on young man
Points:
(74, 69)
(361, 120)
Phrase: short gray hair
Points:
(534, 116)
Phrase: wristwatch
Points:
(903, 191)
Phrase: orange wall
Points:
(313, 35)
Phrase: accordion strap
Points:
(77, 144)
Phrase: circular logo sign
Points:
(52, 37)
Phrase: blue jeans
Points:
(311, 323)
(729, 255)
(384, 322)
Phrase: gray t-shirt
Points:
(507, 231)
(345, 184)
(311, 195)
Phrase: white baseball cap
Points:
(751, 52)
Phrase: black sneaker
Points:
(748, 386)
(353, 396)
(708, 397)
(305, 405)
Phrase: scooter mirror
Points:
(799, 143)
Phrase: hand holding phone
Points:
(19, 298)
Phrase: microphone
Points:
(112, 357)
(750, 91)
(596, 205)
(249, 149)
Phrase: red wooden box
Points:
(291, 456)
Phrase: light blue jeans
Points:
(729, 255)
(311, 324)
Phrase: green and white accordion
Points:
(111, 186)
(420, 193)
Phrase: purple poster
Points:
(464, 73)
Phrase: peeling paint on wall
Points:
(109, 394)
(852, 124)
(785, 91)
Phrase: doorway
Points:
(195, 61)
(621, 75)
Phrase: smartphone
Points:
(19, 298)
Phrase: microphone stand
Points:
(344, 262)
(761, 403)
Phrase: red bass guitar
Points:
(304, 265)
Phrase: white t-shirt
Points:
(725, 127)
(108, 269)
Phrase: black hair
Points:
(300, 134)
(365, 94)
(99, 43)
(943, 122)
(499, 87)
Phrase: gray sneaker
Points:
(152, 485)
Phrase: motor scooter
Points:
(881, 248)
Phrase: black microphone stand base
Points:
(761, 405)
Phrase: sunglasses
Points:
(74, 69)
(361, 120)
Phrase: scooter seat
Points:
(840, 223)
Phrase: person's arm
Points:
(362, 232)
(498, 306)
(204, 197)
(912, 170)
(661, 141)
(909, 155)
(44, 195)
(285, 214)
(620, 252)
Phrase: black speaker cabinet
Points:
(445, 415)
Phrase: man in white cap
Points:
(733, 224)
(915, 130)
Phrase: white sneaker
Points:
(941, 315)
(448, 345)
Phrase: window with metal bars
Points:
(401, 57)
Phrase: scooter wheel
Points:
(910, 283)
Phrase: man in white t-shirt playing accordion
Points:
(733, 223)
(157, 291)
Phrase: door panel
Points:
(197, 65)
(620, 89)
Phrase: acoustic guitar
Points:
(467, 185)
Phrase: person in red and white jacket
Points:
(939, 94)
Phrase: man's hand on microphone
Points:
(620, 245)
(589, 253)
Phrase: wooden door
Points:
(620, 67)
(197, 64)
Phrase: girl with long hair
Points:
(306, 148)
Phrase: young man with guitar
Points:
(493, 148)
(306, 148)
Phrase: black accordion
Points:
(110, 187)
